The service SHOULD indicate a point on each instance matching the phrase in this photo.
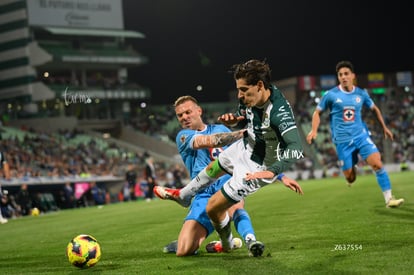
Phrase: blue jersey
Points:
(197, 160)
(346, 112)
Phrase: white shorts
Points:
(236, 160)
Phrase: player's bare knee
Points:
(180, 254)
(183, 253)
(210, 211)
(376, 166)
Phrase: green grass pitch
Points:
(331, 229)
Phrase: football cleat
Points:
(171, 194)
(171, 247)
(256, 248)
(393, 202)
(215, 246)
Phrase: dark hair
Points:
(253, 71)
(344, 64)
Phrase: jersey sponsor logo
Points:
(284, 125)
(266, 120)
(214, 152)
(285, 113)
(348, 114)
(249, 183)
(183, 138)
(286, 118)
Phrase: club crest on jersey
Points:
(215, 152)
(348, 114)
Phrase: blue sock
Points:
(242, 223)
(383, 179)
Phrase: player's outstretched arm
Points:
(292, 184)
(380, 118)
(260, 175)
(230, 119)
(217, 140)
(288, 182)
(316, 120)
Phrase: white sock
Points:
(201, 181)
(250, 237)
(387, 195)
(225, 221)
(224, 230)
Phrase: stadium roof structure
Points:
(94, 32)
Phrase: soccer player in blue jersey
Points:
(349, 132)
(197, 150)
(271, 144)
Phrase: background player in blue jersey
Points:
(271, 144)
(348, 130)
(197, 151)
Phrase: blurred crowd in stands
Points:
(57, 157)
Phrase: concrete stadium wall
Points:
(45, 123)
(151, 144)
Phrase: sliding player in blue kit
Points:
(197, 149)
(349, 132)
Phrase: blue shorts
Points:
(348, 151)
(197, 209)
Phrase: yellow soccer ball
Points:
(35, 211)
(83, 251)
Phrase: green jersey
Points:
(272, 136)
